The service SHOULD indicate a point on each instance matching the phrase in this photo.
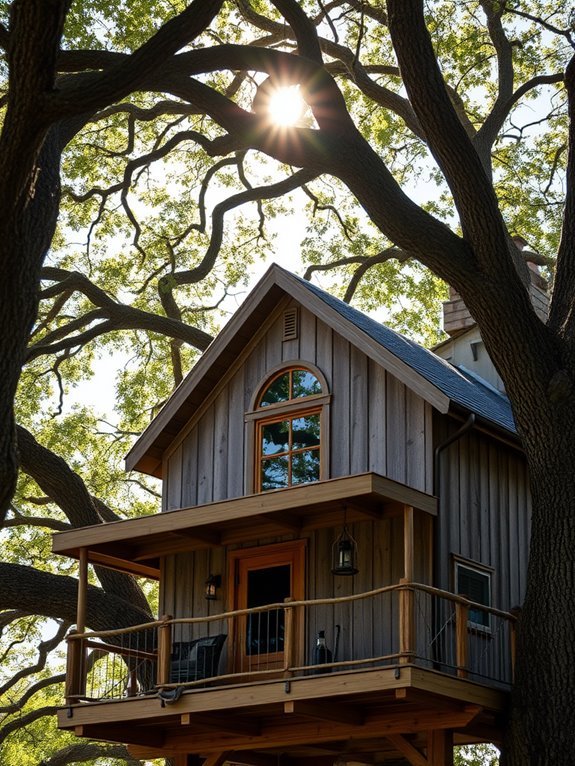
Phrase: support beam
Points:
(237, 725)
(325, 712)
(288, 521)
(201, 535)
(405, 747)
(277, 734)
(216, 759)
(132, 735)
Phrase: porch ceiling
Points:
(136, 545)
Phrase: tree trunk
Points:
(543, 709)
(25, 236)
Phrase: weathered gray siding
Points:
(376, 423)
(484, 511)
(369, 627)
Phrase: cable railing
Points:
(405, 623)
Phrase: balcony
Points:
(423, 659)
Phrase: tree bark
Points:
(55, 596)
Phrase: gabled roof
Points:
(432, 378)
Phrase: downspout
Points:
(467, 426)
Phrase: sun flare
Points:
(286, 105)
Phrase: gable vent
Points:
(290, 324)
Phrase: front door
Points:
(261, 576)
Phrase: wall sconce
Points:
(212, 584)
(344, 554)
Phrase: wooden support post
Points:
(164, 651)
(289, 636)
(406, 624)
(82, 591)
(440, 747)
(461, 639)
(408, 543)
(75, 663)
(75, 679)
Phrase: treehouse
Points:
(343, 536)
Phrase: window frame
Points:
(256, 417)
(482, 570)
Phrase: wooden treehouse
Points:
(323, 477)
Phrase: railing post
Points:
(406, 623)
(289, 636)
(461, 639)
(164, 651)
(75, 674)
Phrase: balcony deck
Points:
(439, 675)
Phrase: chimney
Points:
(456, 317)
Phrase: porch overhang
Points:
(137, 545)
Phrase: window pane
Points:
(275, 473)
(275, 437)
(305, 432)
(278, 391)
(265, 630)
(475, 586)
(305, 384)
(305, 467)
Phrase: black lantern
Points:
(212, 584)
(344, 554)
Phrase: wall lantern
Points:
(212, 584)
(344, 554)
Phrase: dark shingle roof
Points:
(461, 387)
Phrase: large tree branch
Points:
(55, 596)
(127, 76)
(562, 313)
(503, 48)
(250, 195)
(116, 316)
(350, 64)
(498, 262)
(22, 721)
(43, 683)
(44, 649)
(82, 752)
(66, 488)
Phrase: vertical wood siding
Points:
(484, 511)
(376, 423)
(368, 627)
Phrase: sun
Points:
(286, 105)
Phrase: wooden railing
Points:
(406, 623)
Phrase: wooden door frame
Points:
(292, 552)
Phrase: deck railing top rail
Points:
(290, 604)
(404, 623)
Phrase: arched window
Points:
(289, 429)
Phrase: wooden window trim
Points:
(278, 418)
(276, 371)
(255, 415)
(481, 569)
